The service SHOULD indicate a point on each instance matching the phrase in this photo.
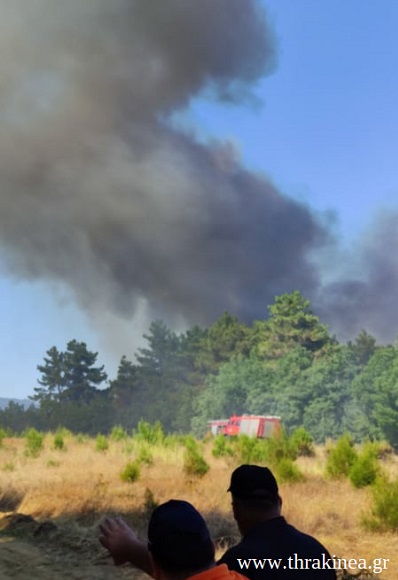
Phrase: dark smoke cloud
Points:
(368, 299)
(101, 194)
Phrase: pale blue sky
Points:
(325, 133)
(327, 129)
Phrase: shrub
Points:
(288, 472)
(59, 442)
(150, 433)
(194, 462)
(251, 450)
(189, 441)
(221, 447)
(145, 456)
(150, 502)
(33, 442)
(384, 511)
(171, 441)
(101, 443)
(341, 457)
(246, 448)
(280, 447)
(363, 472)
(131, 472)
(64, 432)
(118, 433)
(264, 451)
(301, 442)
(365, 469)
(3, 434)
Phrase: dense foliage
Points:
(287, 364)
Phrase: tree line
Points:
(287, 364)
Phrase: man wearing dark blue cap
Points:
(179, 545)
(270, 547)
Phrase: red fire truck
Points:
(261, 426)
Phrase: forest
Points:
(287, 365)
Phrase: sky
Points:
(262, 152)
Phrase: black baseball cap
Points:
(178, 537)
(252, 482)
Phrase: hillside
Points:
(24, 402)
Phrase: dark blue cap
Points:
(253, 482)
(178, 537)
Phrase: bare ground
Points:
(47, 551)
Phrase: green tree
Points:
(291, 323)
(158, 372)
(82, 378)
(291, 393)
(363, 347)
(69, 375)
(191, 376)
(224, 339)
(166, 373)
(163, 383)
(16, 418)
(193, 343)
(162, 343)
(123, 389)
(376, 390)
(329, 409)
(53, 377)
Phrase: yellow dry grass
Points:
(81, 482)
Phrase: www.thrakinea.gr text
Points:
(325, 562)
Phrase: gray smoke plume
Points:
(365, 294)
(101, 194)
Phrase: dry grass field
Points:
(50, 506)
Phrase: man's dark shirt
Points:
(276, 539)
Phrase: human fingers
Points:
(108, 527)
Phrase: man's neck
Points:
(257, 519)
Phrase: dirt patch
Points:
(49, 551)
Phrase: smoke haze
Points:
(100, 193)
(364, 296)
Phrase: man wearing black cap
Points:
(270, 547)
(179, 545)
